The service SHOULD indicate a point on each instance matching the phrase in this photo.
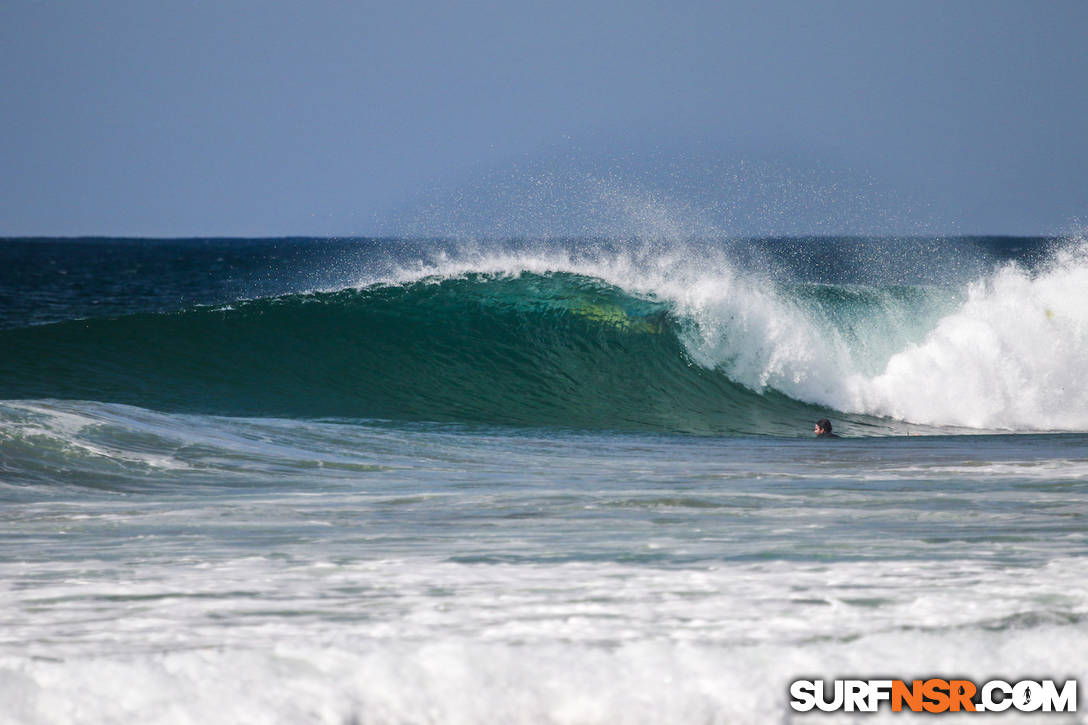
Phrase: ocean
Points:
(512, 481)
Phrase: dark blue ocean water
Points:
(572, 481)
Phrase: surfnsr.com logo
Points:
(933, 695)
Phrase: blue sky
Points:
(270, 118)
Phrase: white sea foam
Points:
(1014, 356)
(69, 430)
(417, 641)
(1010, 356)
(466, 682)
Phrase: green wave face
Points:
(534, 349)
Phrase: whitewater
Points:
(534, 481)
(1008, 346)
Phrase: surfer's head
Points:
(823, 427)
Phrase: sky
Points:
(335, 118)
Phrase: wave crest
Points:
(653, 340)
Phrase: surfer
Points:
(823, 429)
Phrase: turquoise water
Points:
(390, 481)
